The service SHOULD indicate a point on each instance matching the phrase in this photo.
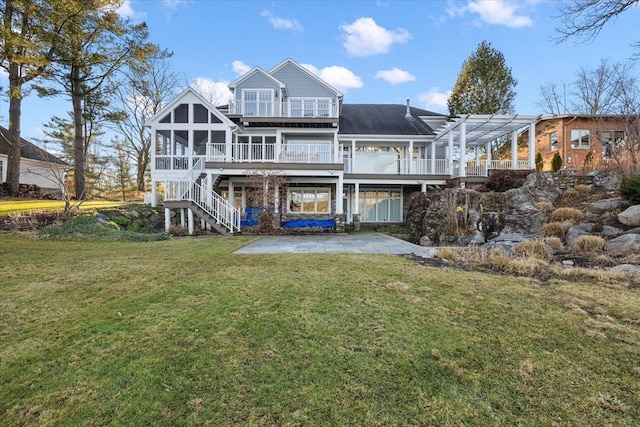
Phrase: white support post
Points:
(167, 219)
(463, 149)
(154, 194)
(487, 151)
(532, 145)
(339, 194)
(231, 196)
(410, 158)
(182, 218)
(203, 225)
(228, 146)
(353, 156)
(423, 187)
(336, 149)
(276, 200)
(191, 226)
(514, 150)
(450, 153)
(356, 201)
(278, 147)
(477, 155)
(433, 158)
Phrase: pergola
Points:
(477, 130)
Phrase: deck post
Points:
(339, 192)
(154, 194)
(450, 153)
(182, 218)
(463, 150)
(487, 151)
(532, 145)
(433, 158)
(167, 219)
(190, 216)
(514, 150)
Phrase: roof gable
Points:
(28, 150)
(188, 95)
(253, 71)
(290, 62)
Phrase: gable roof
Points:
(253, 71)
(179, 98)
(28, 150)
(308, 73)
(383, 119)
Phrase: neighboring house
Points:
(37, 166)
(584, 142)
(347, 163)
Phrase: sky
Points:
(384, 51)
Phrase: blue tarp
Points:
(322, 223)
(253, 212)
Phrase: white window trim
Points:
(581, 147)
(257, 91)
(315, 107)
(315, 212)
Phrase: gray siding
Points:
(299, 84)
(256, 81)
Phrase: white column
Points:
(182, 218)
(450, 153)
(356, 209)
(532, 145)
(463, 148)
(167, 219)
(477, 155)
(154, 194)
(203, 225)
(336, 149)
(353, 156)
(191, 227)
(410, 158)
(423, 187)
(433, 158)
(276, 201)
(487, 150)
(278, 147)
(231, 196)
(339, 191)
(228, 146)
(514, 150)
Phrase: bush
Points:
(532, 249)
(553, 229)
(554, 243)
(572, 215)
(589, 245)
(505, 179)
(545, 207)
(539, 161)
(556, 162)
(630, 190)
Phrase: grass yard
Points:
(9, 205)
(183, 333)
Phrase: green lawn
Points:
(16, 205)
(182, 332)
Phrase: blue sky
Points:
(373, 51)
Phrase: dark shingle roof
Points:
(383, 119)
(28, 150)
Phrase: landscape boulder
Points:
(630, 216)
(629, 268)
(608, 180)
(625, 244)
(506, 242)
(608, 205)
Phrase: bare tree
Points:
(553, 99)
(584, 19)
(267, 186)
(141, 94)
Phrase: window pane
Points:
(200, 139)
(579, 138)
(166, 119)
(181, 113)
(553, 141)
(181, 141)
(322, 198)
(296, 201)
(200, 113)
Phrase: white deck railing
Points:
(176, 162)
(276, 153)
(297, 108)
(481, 168)
(383, 165)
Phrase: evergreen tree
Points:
(485, 84)
(556, 162)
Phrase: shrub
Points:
(630, 190)
(505, 179)
(589, 245)
(447, 254)
(553, 229)
(554, 243)
(532, 249)
(572, 215)
(539, 161)
(545, 207)
(556, 162)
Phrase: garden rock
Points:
(629, 268)
(579, 230)
(524, 221)
(608, 205)
(506, 242)
(609, 180)
(426, 241)
(625, 244)
(630, 216)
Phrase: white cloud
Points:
(395, 76)
(240, 67)
(174, 4)
(282, 23)
(217, 93)
(126, 10)
(495, 12)
(338, 77)
(435, 100)
(364, 37)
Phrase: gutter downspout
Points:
(564, 141)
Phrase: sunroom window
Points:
(258, 102)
